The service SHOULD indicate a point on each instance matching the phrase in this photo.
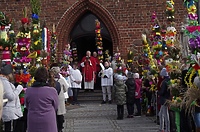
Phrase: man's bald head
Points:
(95, 54)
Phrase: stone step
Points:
(95, 91)
(89, 94)
(95, 96)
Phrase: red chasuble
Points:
(98, 68)
(89, 68)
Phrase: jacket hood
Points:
(119, 83)
(3, 78)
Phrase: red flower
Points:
(24, 20)
(21, 101)
(193, 28)
(196, 67)
(38, 52)
(2, 27)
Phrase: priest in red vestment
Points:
(88, 65)
(97, 80)
(98, 68)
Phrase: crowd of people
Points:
(128, 85)
(45, 99)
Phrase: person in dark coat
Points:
(42, 103)
(130, 94)
(164, 94)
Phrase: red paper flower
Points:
(24, 20)
(2, 27)
(22, 78)
(196, 67)
(193, 28)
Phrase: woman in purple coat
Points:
(42, 103)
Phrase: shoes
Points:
(138, 115)
(67, 103)
(92, 90)
(103, 102)
(119, 118)
(75, 103)
(86, 90)
(157, 121)
(110, 102)
(129, 116)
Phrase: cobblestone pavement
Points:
(94, 117)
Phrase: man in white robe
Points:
(106, 82)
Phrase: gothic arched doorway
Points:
(73, 15)
(83, 35)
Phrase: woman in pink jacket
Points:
(138, 84)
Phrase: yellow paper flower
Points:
(192, 9)
(31, 82)
(36, 42)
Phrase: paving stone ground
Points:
(94, 117)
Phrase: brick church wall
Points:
(130, 16)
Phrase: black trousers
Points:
(8, 126)
(120, 111)
(130, 109)
(172, 121)
(19, 125)
(138, 105)
(60, 121)
(22, 125)
(185, 121)
(149, 97)
(75, 94)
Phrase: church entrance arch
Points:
(78, 14)
(83, 35)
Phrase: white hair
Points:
(136, 75)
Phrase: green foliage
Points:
(35, 6)
(4, 20)
(32, 71)
(175, 92)
(36, 40)
(4, 43)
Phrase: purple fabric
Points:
(42, 103)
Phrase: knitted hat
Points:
(6, 69)
(136, 75)
(164, 72)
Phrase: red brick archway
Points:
(71, 16)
